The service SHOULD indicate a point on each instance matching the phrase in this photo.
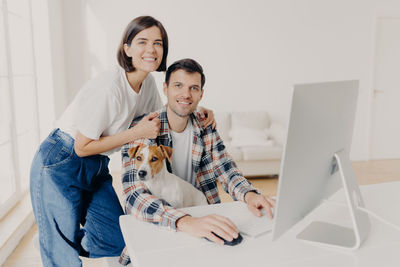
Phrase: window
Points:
(19, 131)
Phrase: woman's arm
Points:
(148, 127)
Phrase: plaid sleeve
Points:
(225, 168)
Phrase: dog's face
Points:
(149, 160)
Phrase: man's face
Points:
(184, 92)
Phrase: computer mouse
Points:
(234, 242)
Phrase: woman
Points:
(70, 180)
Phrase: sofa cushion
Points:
(249, 137)
(250, 119)
(261, 152)
(235, 152)
(223, 120)
(277, 133)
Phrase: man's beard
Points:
(180, 114)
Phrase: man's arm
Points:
(232, 179)
(207, 225)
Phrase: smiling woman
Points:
(70, 181)
(142, 33)
(146, 50)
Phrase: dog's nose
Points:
(142, 174)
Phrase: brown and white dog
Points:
(152, 170)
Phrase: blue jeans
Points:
(68, 191)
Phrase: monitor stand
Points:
(335, 235)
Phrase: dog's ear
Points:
(132, 151)
(167, 151)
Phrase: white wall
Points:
(57, 55)
(44, 70)
(252, 51)
(49, 53)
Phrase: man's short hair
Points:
(188, 65)
(134, 27)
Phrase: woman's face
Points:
(146, 50)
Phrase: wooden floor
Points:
(367, 172)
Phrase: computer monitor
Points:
(316, 163)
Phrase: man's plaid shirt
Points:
(210, 162)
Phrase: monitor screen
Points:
(320, 125)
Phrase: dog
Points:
(151, 167)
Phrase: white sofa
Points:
(253, 140)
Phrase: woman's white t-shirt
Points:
(107, 105)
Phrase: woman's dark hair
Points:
(134, 27)
(188, 65)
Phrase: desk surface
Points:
(150, 245)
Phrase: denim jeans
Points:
(68, 191)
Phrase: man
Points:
(199, 157)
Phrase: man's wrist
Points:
(247, 195)
(180, 223)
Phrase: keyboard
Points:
(255, 226)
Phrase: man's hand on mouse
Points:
(256, 203)
(204, 226)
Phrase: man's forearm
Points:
(140, 202)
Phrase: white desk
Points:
(152, 246)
